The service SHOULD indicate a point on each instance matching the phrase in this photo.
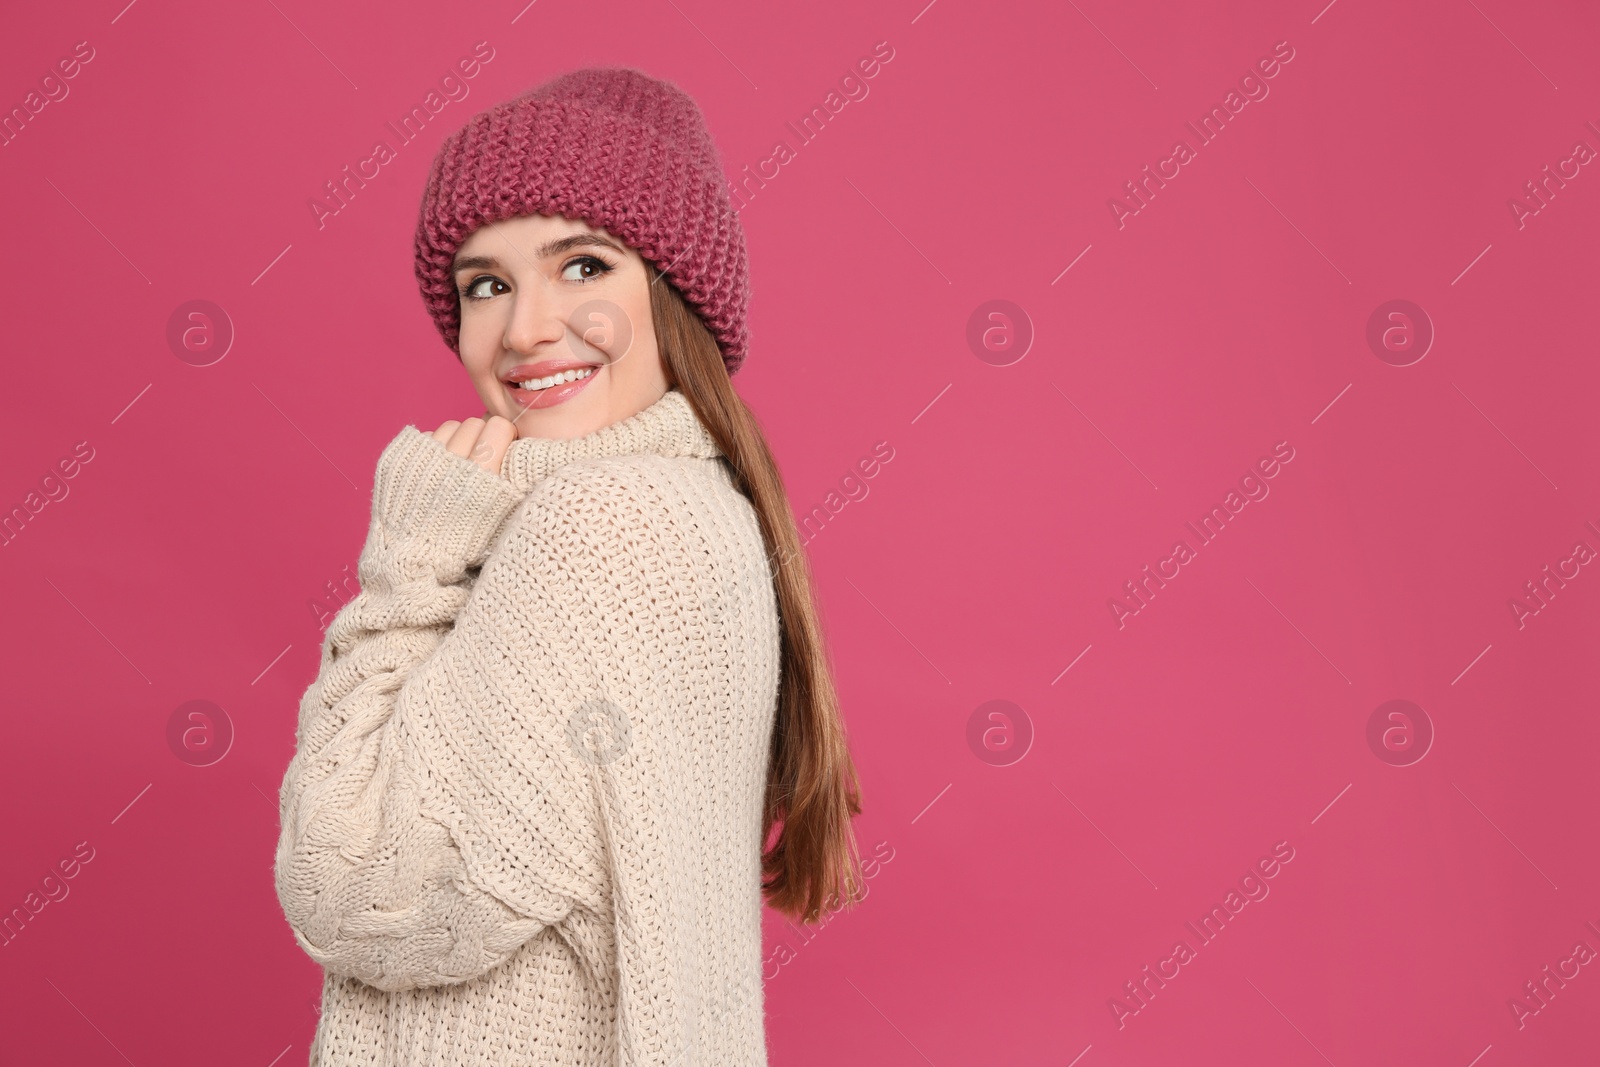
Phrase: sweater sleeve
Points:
(372, 887)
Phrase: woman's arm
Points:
(371, 887)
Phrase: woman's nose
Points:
(537, 316)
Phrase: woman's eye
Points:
(586, 269)
(473, 289)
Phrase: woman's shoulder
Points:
(615, 535)
(646, 495)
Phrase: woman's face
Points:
(555, 303)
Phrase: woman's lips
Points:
(556, 394)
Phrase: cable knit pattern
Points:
(522, 824)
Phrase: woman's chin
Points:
(564, 421)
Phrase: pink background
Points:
(1229, 314)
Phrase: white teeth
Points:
(556, 379)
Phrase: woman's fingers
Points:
(490, 451)
(465, 437)
(482, 441)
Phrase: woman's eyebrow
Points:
(549, 248)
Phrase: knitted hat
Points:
(613, 147)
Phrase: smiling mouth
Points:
(534, 385)
(551, 390)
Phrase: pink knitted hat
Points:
(613, 147)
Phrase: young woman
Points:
(579, 721)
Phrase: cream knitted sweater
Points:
(522, 824)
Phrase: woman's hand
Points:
(483, 442)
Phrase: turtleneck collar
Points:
(668, 427)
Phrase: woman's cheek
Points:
(604, 326)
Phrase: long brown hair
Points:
(812, 789)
